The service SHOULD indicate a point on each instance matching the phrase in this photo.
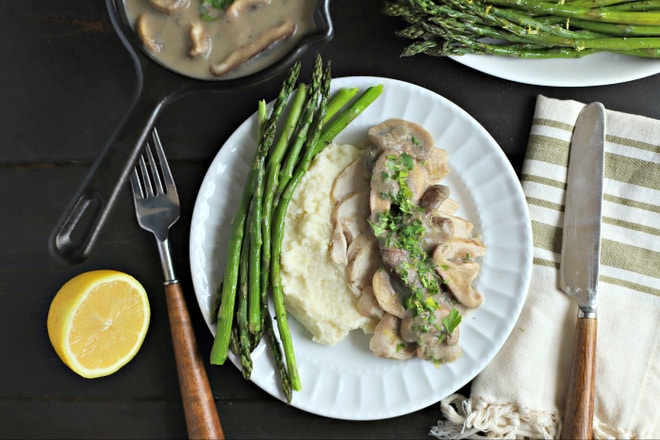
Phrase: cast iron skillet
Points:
(77, 230)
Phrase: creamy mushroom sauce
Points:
(413, 263)
(182, 41)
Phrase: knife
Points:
(580, 260)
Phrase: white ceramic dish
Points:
(346, 381)
(593, 70)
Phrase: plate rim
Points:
(551, 78)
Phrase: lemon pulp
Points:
(97, 322)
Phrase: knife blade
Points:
(580, 261)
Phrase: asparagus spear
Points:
(276, 349)
(244, 343)
(317, 140)
(346, 116)
(593, 14)
(338, 101)
(254, 259)
(272, 172)
(237, 229)
(529, 28)
(303, 127)
(293, 122)
(262, 117)
(278, 234)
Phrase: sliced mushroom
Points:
(406, 329)
(263, 42)
(389, 299)
(448, 207)
(435, 352)
(459, 278)
(436, 166)
(239, 7)
(381, 179)
(416, 181)
(145, 31)
(367, 304)
(403, 136)
(429, 343)
(434, 197)
(384, 183)
(169, 6)
(378, 205)
(355, 177)
(363, 261)
(462, 249)
(462, 227)
(437, 230)
(200, 42)
(393, 257)
(386, 341)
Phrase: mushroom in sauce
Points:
(386, 341)
(426, 259)
(387, 296)
(204, 42)
(169, 6)
(261, 43)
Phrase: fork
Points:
(157, 208)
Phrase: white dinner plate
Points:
(597, 69)
(346, 381)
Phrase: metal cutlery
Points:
(580, 260)
(157, 209)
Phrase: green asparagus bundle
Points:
(529, 28)
(287, 141)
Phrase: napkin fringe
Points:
(470, 418)
(602, 432)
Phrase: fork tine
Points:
(153, 177)
(164, 165)
(138, 192)
(145, 180)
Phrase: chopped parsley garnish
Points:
(452, 320)
(449, 324)
(209, 9)
(402, 228)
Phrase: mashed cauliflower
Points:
(315, 288)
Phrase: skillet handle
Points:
(77, 230)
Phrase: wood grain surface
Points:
(202, 418)
(579, 409)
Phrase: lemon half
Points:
(97, 321)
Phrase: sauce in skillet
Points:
(241, 40)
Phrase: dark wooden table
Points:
(65, 84)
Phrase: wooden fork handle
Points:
(199, 406)
(579, 412)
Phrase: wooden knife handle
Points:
(579, 412)
(199, 406)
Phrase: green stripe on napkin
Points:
(631, 198)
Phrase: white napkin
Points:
(521, 392)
